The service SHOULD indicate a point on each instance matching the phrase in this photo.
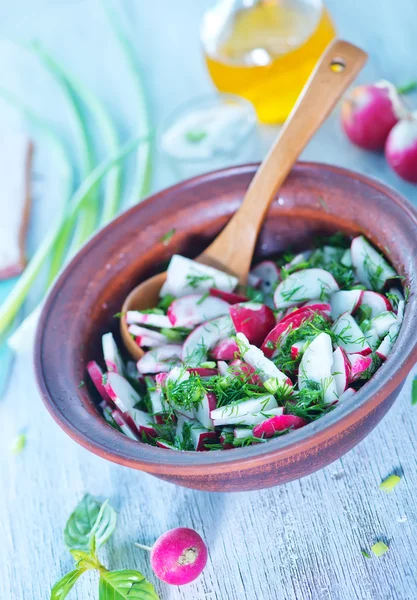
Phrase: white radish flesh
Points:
(121, 392)
(121, 422)
(340, 370)
(345, 301)
(371, 268)
(185, 276)
(316, 365)
(250, 419)
(203, 338)
(203, 411)
(268, 273)
(389, 340)
(139, 331)
(383, 322)
(160, 359)
(248, 412)
(223, 368)
(264, 367)
(299, 259)
(111, 354)
(376, 302)
(150, 319)
(96, 375)
(350, 336)
(193, 309)
(346, 259)
(143, 422)
(304, 285)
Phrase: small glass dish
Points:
(209, 133)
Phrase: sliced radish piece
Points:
(160, 379)
(227, 437)
(147, 337)
(376, 302)
(264, 367)
(371, 268)
(345, 301)
(347, 394)
(270, 427)
(203, 371)
(166, 445)
(143, 422)
(121, 422)
(398, 294)
(383, 322)
(240, 369)
(251, 419)
(194, 309)
(318, 306)
(155, 396)
(229, 297)
(372, 338)
(389, 340)
(299, 259)
(111, 354)
(350, 336)
(253, 319)
(254, 281)
(137, 317)
(223, 368)
(346, 259)
(225, 350)
(316, 366)
(291, 321)
(332, 254)
(358, 365)
(297, 349)
(185, 276)
(240, 434)
(178, 375)
(246, 412)
(203, 411)
(96, 374)
(203, 338)
(304, 285)
(198, 434)
(341, 370)
(121, 392)
(268, 273)
(160, 359)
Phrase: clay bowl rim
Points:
(102, 440)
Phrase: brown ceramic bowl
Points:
(316, 198)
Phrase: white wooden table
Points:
(298, 542)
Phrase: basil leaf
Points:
(103, 527)
(122, 585)
(78, 529)
(62, 587)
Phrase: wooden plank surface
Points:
(297, 542)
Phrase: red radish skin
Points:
(229, 297)
(401, 149)
(160, 379)
(271, 426)
(369, 113)
(189, 311)
(179, 556)
(225, 350)
(318, 306)
(203, 372)
(238, 367)
(253, 319)
(96, 374)
(358, 365)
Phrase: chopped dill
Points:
(165, 302)
(194, 281)
(167, 237)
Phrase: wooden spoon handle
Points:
(233, 248)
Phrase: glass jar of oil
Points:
(264, 50)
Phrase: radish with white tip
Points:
(96, 375)
(160, 359)
(135, 317)
(185, 276)
(203, 338)
(345, 301)
(371, 268)
(341, 370)
(253, 319)
(383, 322)
(264, 367)
(378, 303)
(225, 350)
(268, 273)
(316, 366)
(389, 340)
(273, 425)
(358, 365)
(304, 285)
(401, 148)
(178, 556)
(193, 309)
(350, 336)
(111, 354)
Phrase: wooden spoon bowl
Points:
(80, 308)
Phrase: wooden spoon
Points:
(233, 248)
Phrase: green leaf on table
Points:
(85, 560)
(119, 585)
(90, 525)
(19, 443)
(407, 88)
(63, 587)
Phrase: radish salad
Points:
(223, 368)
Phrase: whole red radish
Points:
(253, 319)
(178, 556)
(401, 148)
(369, 113)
